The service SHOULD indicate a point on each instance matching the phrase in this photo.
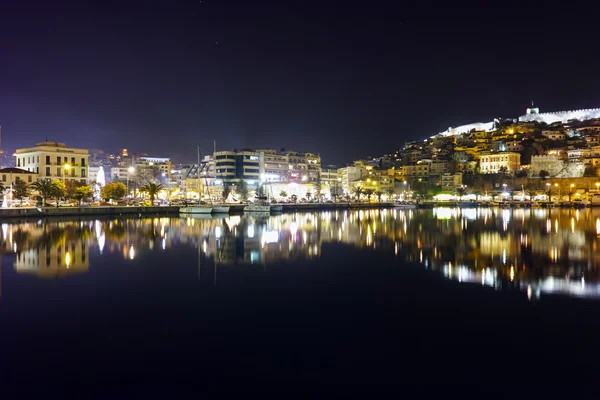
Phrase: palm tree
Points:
(390, 193)
(369, 193)
(152, 189)
(357, 190)
(379, 194)
(45, 188)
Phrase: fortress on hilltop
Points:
(532, 115)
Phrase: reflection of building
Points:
(56, 261)
(52, 160)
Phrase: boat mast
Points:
(198, 173)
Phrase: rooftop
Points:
(12, 170)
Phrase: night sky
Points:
(344, 79)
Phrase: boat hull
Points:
(405, 206)
(220, 209)
(276, 208)
(256, 208)
(195, 210)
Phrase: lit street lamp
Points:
(67, 168)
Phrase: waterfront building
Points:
(289, 166)
(234, 166)
(450, 182)
(53, 160)
(351, 173)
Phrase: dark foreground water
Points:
(332, 302)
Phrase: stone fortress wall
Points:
(549, 118)
(561, 116)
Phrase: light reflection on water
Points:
(537, 251)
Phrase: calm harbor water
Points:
(328, 297)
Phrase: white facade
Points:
(52, 160)
(162, 163)
(493, 163)
(289, 166)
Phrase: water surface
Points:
(324, 298)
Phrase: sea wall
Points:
(79, 211)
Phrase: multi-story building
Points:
(553, 135)
(449, 182)
(289, 166)
(53, 160)
(231, 167)
(330, 181)
(514, 145)
(121, 174)
(420, 170)
(438, 167)
(274, 165)
(352, 173)
(162, 163)
(466, 167)
(493, 163)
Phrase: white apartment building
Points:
(289, 166)
(53, 160)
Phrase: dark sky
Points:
(344, 79)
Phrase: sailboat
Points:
(200, 208)
(274, 207)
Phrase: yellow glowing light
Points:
(67, 167)
(68, 259)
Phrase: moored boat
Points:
(200, 209)
(405, 205)
(276, 208)
(258, 206)
(220, 209)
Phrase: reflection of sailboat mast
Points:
(199, 257)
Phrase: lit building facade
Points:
(162, 163)
(289, 166)
(493, 163)
(232, 167)
(53, 160)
